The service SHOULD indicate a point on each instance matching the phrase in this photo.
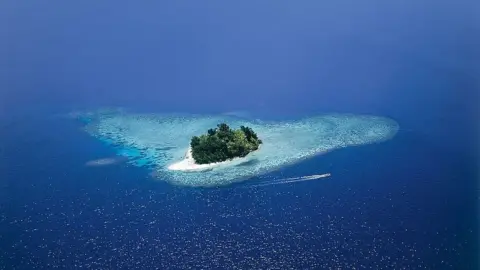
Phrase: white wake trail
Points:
(292, 180)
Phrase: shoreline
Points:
(188, 163)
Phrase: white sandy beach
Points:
(188, 163)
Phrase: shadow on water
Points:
(166, 148)
(248, 163)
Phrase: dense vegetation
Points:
(223, 143)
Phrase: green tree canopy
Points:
(223, 143)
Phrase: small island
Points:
(223, 143)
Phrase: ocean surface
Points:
(402, 204)
(411, 202)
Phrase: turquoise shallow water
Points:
(401, 204)
(160, 140)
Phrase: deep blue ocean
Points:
(411, 202)
(401, 204)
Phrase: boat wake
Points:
(291, 180)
